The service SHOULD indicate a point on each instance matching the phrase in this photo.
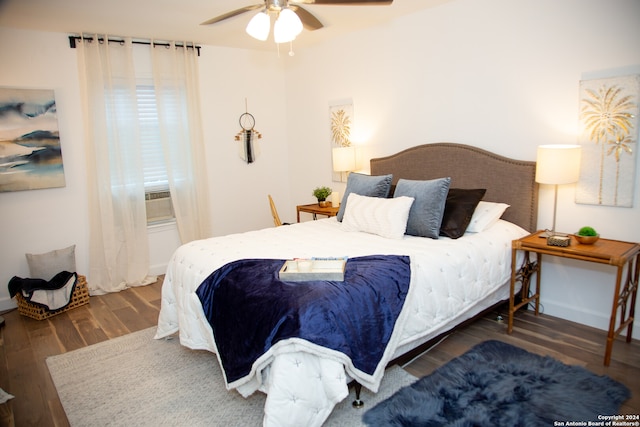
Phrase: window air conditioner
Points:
(159, 207)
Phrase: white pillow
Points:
(376, 215)
(485, 215)
(45, 266)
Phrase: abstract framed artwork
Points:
(608, 119)
(30, 153)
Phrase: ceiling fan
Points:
(291, 17)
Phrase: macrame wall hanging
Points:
(248, 147)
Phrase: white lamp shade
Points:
(287, 26)
(344, 159)
(259, 26)
(558, 164)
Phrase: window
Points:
(156, 182)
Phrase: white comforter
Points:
(452, 280)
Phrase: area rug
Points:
(135, 380)
(497, 384)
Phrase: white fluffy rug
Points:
(135, 380)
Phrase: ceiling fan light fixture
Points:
(287, 26)
(259, 26)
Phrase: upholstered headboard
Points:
(506, 180)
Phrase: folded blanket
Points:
(250, 310)
(53, 294)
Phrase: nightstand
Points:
(613, 252)
(315, 209)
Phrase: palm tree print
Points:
(620, 145)
(608, 118)
(341, 128)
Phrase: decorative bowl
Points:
(586, 240)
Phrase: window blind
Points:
(155, 172)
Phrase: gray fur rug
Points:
(497, 384)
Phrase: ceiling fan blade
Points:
(346, 2)
(232, 14)
(309, 21)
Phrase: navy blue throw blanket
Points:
(250, 309)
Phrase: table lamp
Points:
(344, 161)
(557, 164)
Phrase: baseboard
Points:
(575, 314)
(7, 304)
(584, 316)
(158, 269)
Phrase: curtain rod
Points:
(73, 39)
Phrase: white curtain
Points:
(118, 247)
(175, 78)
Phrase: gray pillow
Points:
(425, 216)
(45, 266)
(365, 185)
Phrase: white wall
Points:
(38, 221)
(499, 74)
(239, 190)
(42, 220)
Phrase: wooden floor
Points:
(25, 343)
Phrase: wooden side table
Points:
(315, 209)
(613, 252)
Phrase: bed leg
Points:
(357, 403)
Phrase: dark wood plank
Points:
(105, 319)
(6, 414)
(68, 335)
(6, 409)
(25, 343)
(90, 330)
(28, 386)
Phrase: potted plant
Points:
(587, 235)
(321, 193)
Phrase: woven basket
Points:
(80, 296)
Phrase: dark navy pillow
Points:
(458, 210)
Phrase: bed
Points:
(452, 279)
